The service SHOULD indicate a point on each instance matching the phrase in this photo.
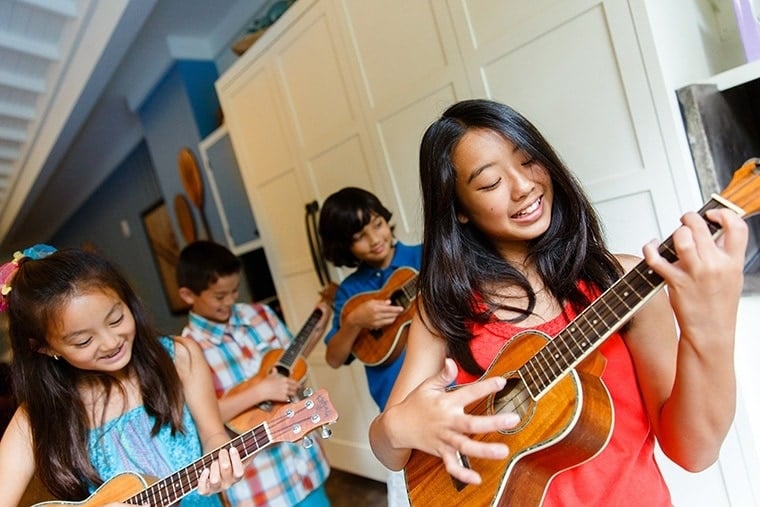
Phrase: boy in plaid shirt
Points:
(234, 338)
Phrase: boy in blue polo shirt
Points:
(355, 232)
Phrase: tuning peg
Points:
(307, 442)
(325, 432)
(307, 392)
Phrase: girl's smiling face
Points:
(501, 190)
(94, 331)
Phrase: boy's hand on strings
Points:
(277, 387)
(273, 387)
(375, 314)
(224, 471)
(433, 419)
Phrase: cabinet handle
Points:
(315, 245)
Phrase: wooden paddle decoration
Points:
(192, 182)
(185, 218)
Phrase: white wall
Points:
(706, 43)
(748, 373)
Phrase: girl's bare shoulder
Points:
(628, 261)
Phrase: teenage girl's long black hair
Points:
(459, 264)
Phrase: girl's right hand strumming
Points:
(432, 419)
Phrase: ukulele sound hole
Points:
(514, 397)
(399, 298)
(266, 406)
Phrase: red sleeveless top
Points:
(624, 473)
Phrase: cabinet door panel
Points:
(399, 45)
(314, 83)
(281, 207)
(256, 126)
(408, 68)
(400, 134)
(294, 116)
(341, 166)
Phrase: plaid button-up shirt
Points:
(282, 474)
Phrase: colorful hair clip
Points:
(8, 270)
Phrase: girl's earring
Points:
(56, 357)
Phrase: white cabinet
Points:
(339, 92)
(294, 123)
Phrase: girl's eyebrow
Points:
(474, 174)
(70, 336)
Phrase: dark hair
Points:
(47, 388)
(202, 263)
(343, 214)
(459, 264)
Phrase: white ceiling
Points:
(72, 73)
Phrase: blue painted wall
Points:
(181, 110)
(131, 189)
(170, 118)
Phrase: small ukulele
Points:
(288, 363)
(376, 347)
(553, 384)
(289, 424)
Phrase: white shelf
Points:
(736, 76)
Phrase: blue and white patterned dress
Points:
(124, 444)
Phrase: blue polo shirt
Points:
(367, 279)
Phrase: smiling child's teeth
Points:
(530, 209)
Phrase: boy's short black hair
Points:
(201, 263)
(343, 214)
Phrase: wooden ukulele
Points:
(376, 347)
(554, 386)
(289, 424)
(288, 363)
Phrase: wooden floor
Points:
(348, 490)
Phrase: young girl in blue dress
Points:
(99, 392)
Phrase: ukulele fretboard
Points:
(174, 487)
(600, 319)
(299, 342)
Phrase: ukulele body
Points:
(567, 426)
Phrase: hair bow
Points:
(8, 270)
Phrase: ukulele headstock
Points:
(293, 421)
(743, 190)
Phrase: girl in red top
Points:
(512, 243)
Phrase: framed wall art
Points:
(165, 250)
